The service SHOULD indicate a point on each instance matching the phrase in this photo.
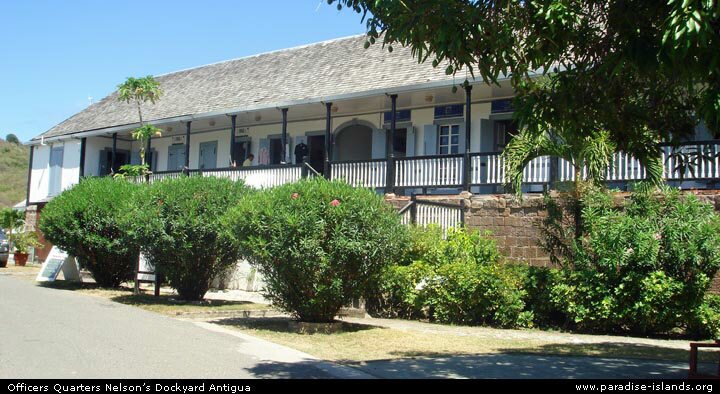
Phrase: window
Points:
(449, 139)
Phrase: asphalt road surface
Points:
(50, 333)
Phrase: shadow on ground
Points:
(522, 366)
(281, 370)
(167, 300)
(280, 324)
(124, 295)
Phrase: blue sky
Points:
(55, 55)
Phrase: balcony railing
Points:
(486, 169)
(371, 173)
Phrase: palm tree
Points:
(141, 90)
(589, 154)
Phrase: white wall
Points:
(39, 181)
(71, 163)
(94, 146)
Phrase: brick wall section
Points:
(514, 225)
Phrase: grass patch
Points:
(358, 343)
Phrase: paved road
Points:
(49, 333)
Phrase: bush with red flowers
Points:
(318, 244)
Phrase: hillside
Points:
(13, 173)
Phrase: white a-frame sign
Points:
(57, 261)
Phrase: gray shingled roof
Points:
(324, 69)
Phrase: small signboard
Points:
(146, 271)
(57, 261)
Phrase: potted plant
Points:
(22, 243)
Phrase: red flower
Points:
(335, 202)
(295, 196)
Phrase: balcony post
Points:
(83, 147)
(326, 169)
(114, 150)
(186, 169)
(390, 174)
(283, 137)
(467, 167)
(233, 121)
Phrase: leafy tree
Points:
(12, 138)
(138, 91)
(631, 68)
(11, 219)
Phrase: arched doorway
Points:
(353, 142)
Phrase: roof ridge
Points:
(263, 54)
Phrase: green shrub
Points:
(318, 244)
(454, 280)
(86, 222)
(178, 226)
(644, 269)
(707, 318)
(538, 284)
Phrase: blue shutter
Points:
(378, 144)
(487, 136)
(461, 134)
(410, 143)
(430, 139)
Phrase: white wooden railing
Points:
(488, 169)
(424, 213)
(371, 174)
(429, 171)
(259, 177)
(706, 162)
(485, 169)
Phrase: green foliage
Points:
(11, 219)
(538, 284)
(454, 280)
(318, 244)
(12, 138)
(642, 269)
(86, 221)
(14, 168)
(707, 318)
(653, 74)
(141, 90)
(132, 170)
(22, 242)
(177, 224)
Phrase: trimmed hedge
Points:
(318, 244)
(178, 227)
(87, 221)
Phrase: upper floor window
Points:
(449, 139)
